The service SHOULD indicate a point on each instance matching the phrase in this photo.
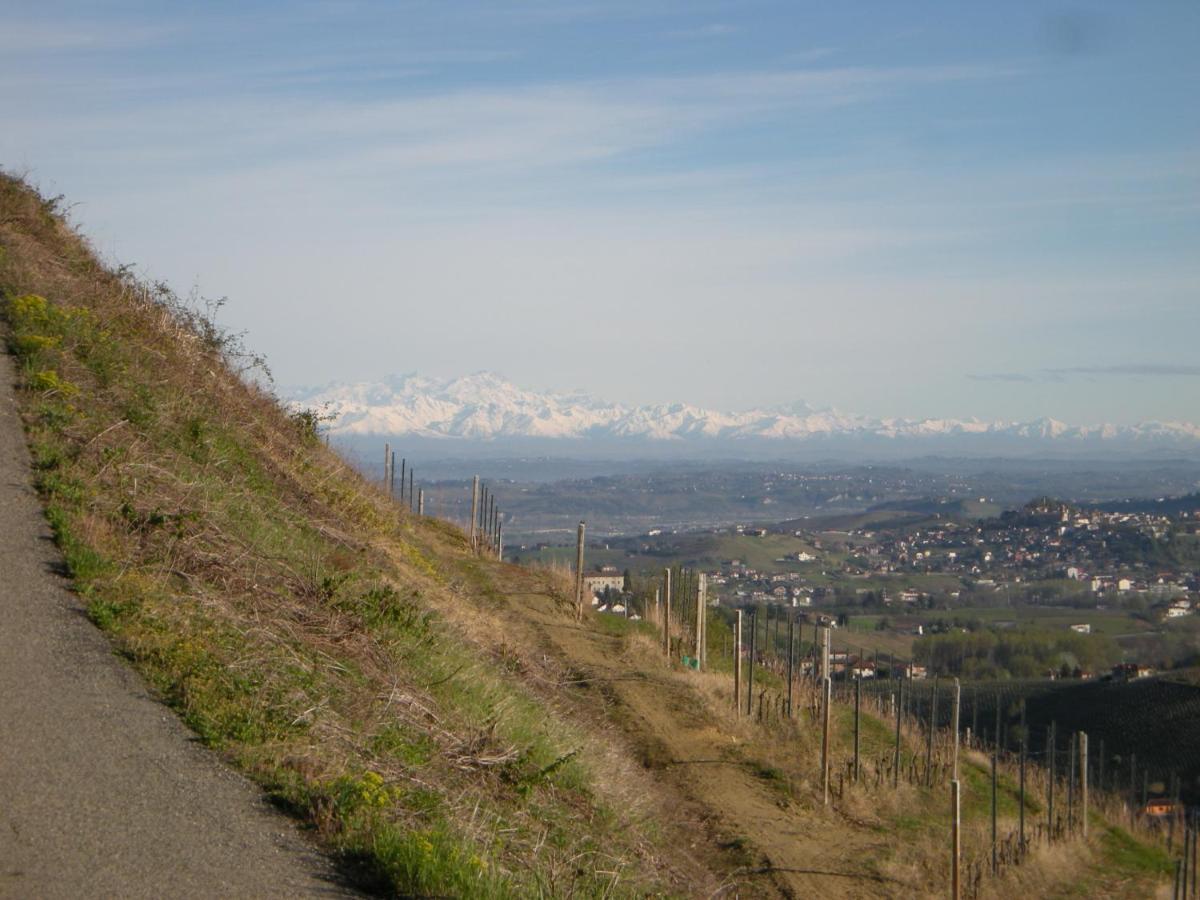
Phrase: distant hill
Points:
(1166, 506)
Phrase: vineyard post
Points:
(929, 736)
(857, 717)
(387, 462)
(410, 488)
(737, 665)
(667, 612)
(750, 669)
(403, 463)
(1051, 759)
(827, 633)
(955, 840)
(657, 605)
(474, 509)
(499, 538)
(1187, 835)
(896, 756)
(579, 573)
(700, 591)
(1100, 767)
(1083, 782)
(954, 723)
(1024, 750)
(421, 502)
(827, 688)
(1132, 780)
(1195, 851)
(791, 655)
(995, 857)
(1071, 781)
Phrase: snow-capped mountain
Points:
(486, 407)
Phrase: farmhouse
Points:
(1161, 807)
(1130, 671)
(596, 583)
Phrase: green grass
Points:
(1127, 855)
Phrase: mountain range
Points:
(485, 407)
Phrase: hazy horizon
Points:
(920, 211)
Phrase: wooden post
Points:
(1187, 839)
(827, 686)
(1021, 799)
(1083, 782)
(657, 605)
(954, 723)
(995, 848)
(480, 532)
(1187, 867)
(955, 840)
(750, 662)
(500, 541)
(791, 657)
(421, 502)
(896, 757)
(1195, 842)
(391, 474)
(667, 612)
(474, 509)
(387, 462)
(403, 463)
(825, 673)
(929, 736)
(857, 718)
(701, 589)
(737, 665)
(579, 574)
(1051, 760)
(411, 501)
(1071, 782)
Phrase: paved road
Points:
(103, 792)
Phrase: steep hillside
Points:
(441, 723)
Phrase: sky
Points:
(897, 209)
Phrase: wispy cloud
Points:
(1062, 373)
(1013, 377)
(36, 37)
(1168, 370)
(523, 127)
(712, 30)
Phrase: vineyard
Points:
(1145, 733)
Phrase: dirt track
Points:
(103, 793)
(791, 853)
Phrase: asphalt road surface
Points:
(103, 791)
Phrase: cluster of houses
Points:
(1042, 541)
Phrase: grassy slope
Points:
(440, 722)
(294, 619)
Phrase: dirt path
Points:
(793, 852)
(103, 792)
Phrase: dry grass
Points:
(327, 642)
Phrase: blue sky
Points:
(915, 209)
